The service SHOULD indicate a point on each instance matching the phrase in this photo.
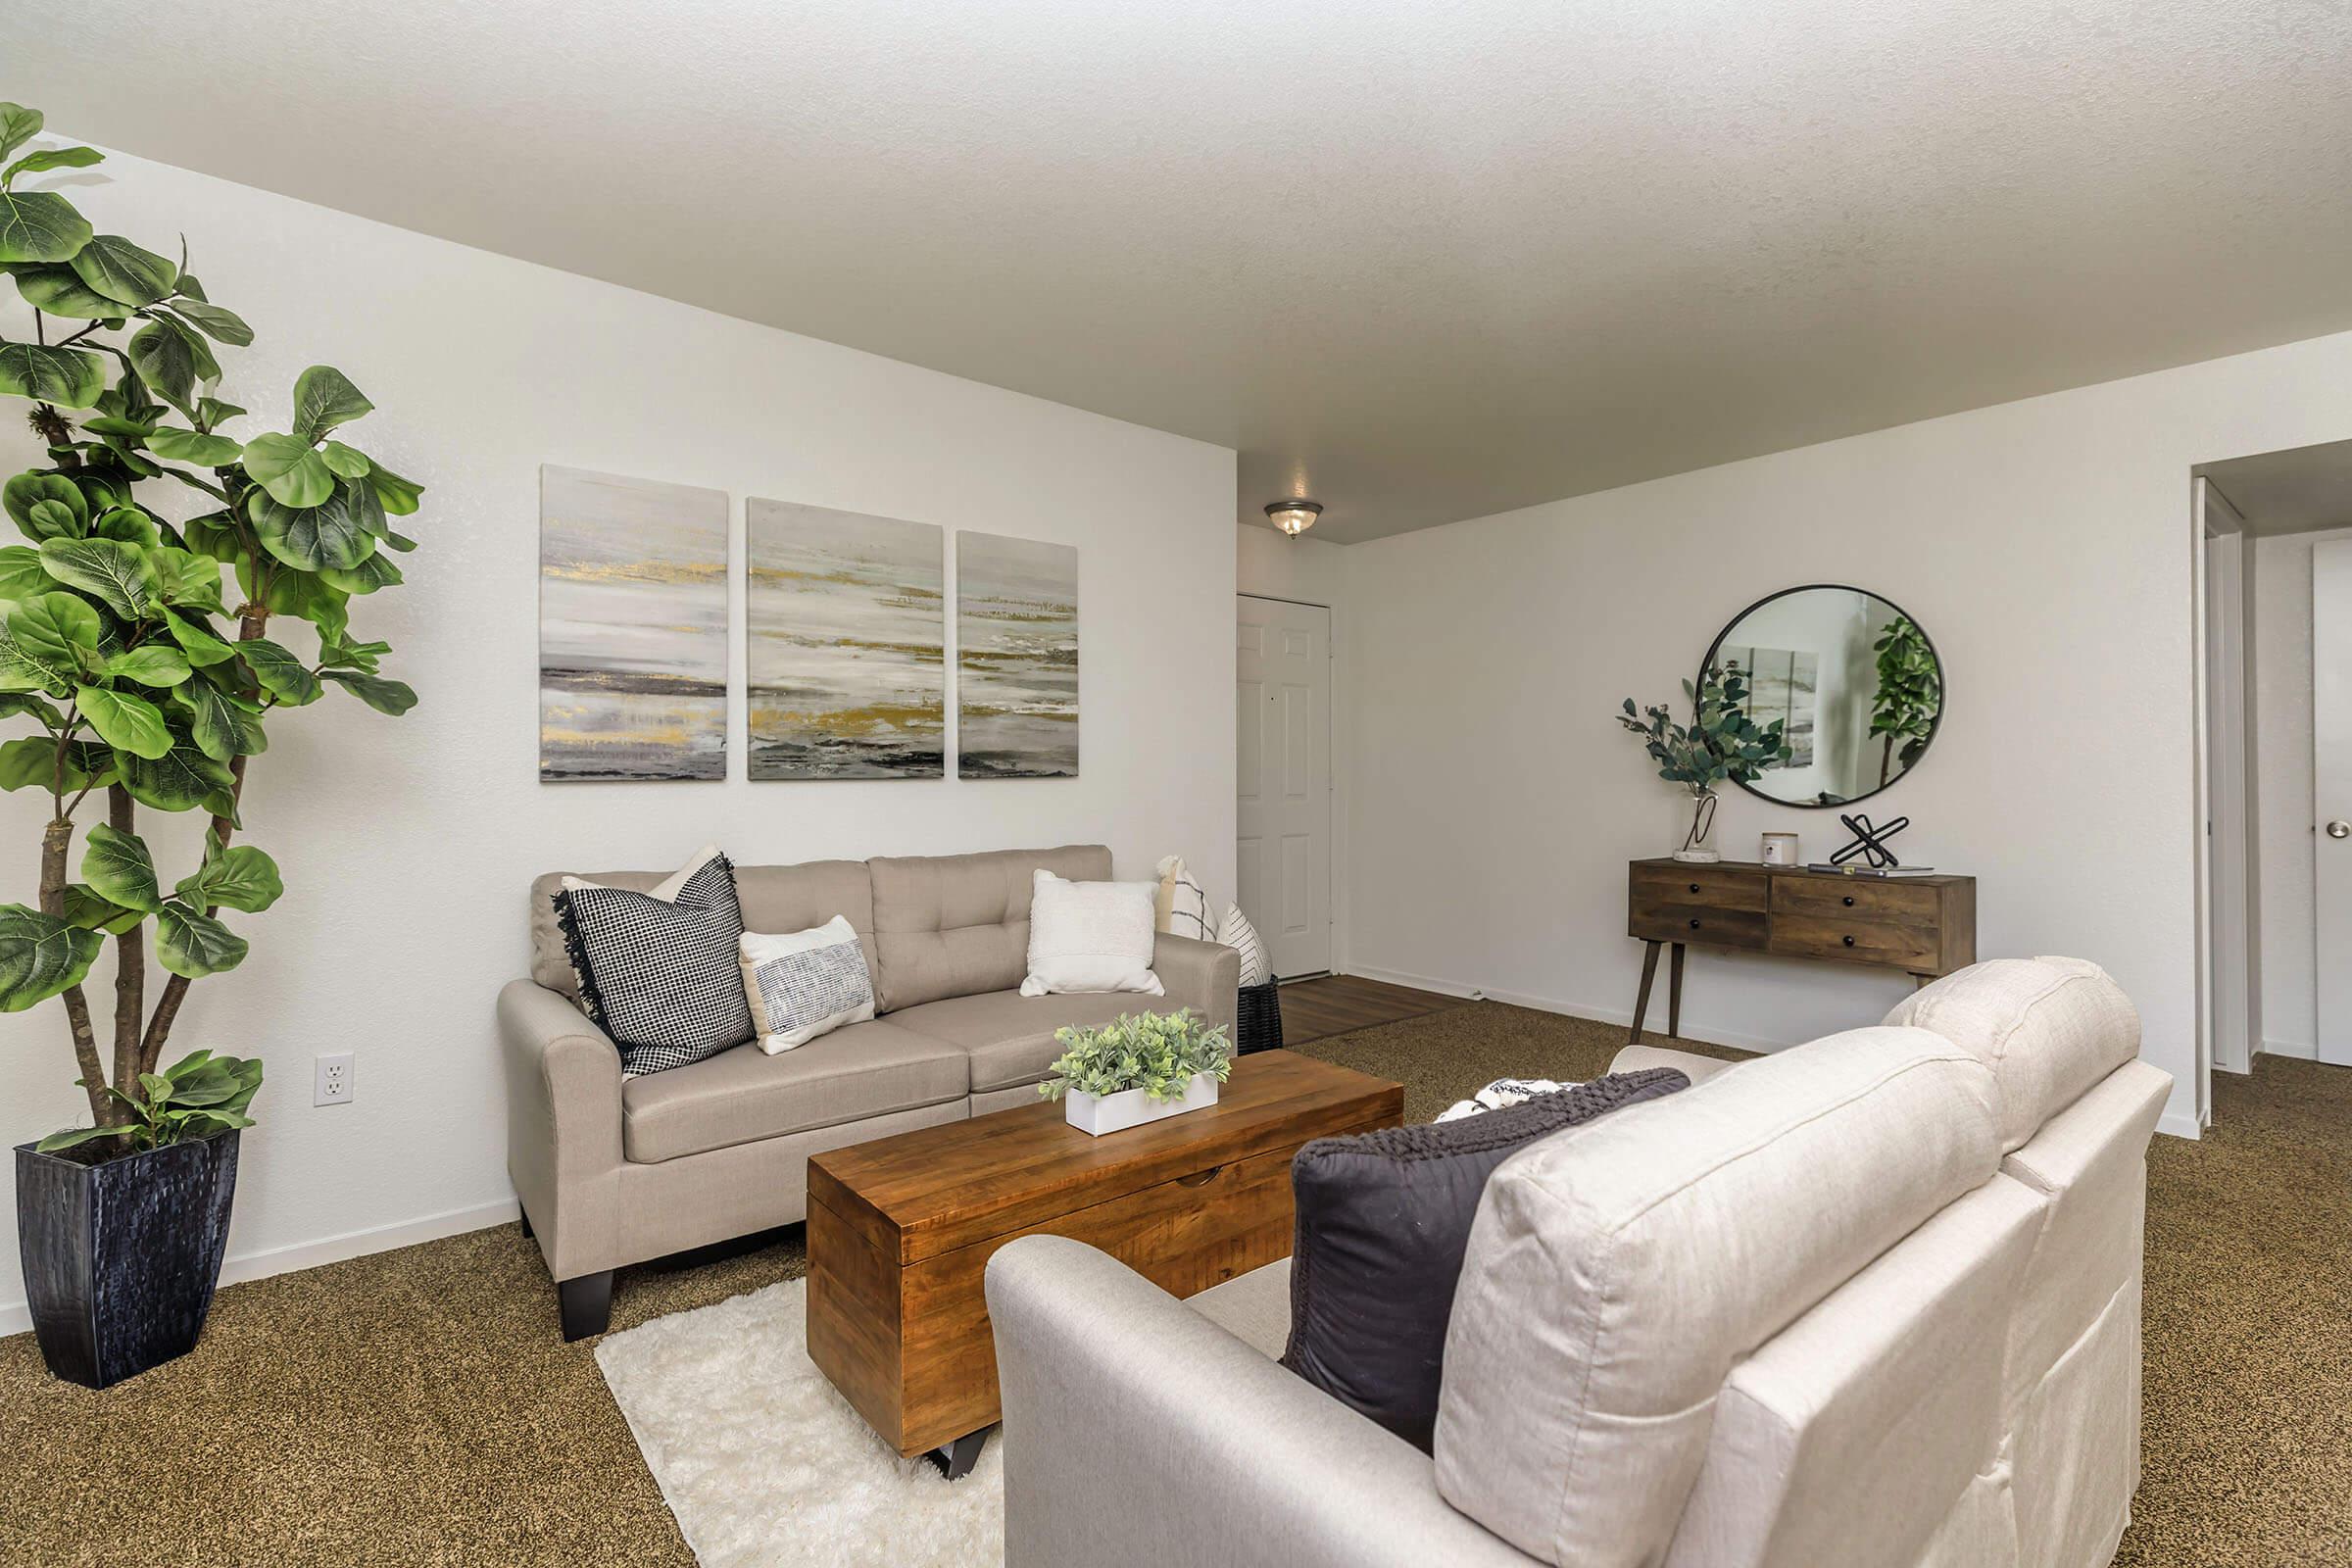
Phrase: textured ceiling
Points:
(1423, 261)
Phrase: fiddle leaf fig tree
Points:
(141, 659)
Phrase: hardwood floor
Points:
(1336, 1004)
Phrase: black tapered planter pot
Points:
(120, 1256)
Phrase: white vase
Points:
(1097, 1115)
(1694, 830)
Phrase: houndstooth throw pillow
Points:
(658, 974)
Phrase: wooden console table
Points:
(1925, 926)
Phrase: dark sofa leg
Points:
(528, 1232)
(587, 1304)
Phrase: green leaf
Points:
(216, 722)
(129, 524)
(384, 696)
(163, 361)
(181, 780)
(12, 703)
(121, 271)
(18, 125)
(187, 577)
(191, 943)
(55, 287)
(376, 571)
(150, 665)
(27, 490)
(117, 865)
(240, 877)
(75, 1137)
(32, 763)
(40, 956)
(70, 378)
(348, 462)
(171, 442)
(338, 533)
(397, 495)
(197, 640)
(212, 412)
(118, 575)
(123, 721)
(290, 469)
(85, 909)
(56, 628)
(21, 573)
(221, 325)
(49, 157)
(40, 226)
(323, 398)
(303, 595)
(279, 673)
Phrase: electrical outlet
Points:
(332, 1086)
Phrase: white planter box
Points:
(1132, 1108)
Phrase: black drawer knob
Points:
(1695, 925)
(1849, 942)
(1850, 901)
(1694, 887)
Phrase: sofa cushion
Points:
(859, 1071)
(1383, 1220)
(773, 897)
(1010, 1037)
(956, 926)
(1615, 1277)
(2048, 1028)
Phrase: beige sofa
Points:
(1867, 1302)
(612, 1171)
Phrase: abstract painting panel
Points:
(848, 643)
(1017, 636)
(1782, 684)
(632, 628)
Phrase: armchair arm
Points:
(563, 1127)
(1200, 975)
(1250, 1464)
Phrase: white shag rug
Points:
(763, 1463)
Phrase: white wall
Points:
(2283, 787)
(407, 843)
(2045, 547)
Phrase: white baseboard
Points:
(2300, 1050)
(2180, 1124)
(16, 1317)
(1597, 1011)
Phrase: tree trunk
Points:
(130, 963)
(56, 840)
(251, 619)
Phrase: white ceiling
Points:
(1420, 261)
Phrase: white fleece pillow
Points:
(1091, 936)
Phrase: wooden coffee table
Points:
(901, 1229)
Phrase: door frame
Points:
(1335, 734)
(2228, 966)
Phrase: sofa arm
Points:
(1102, 1371)
(563, 1127)
(1200, 975)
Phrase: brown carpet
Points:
(418, 1408)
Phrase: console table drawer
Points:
(1859, 941)
(1706, 926)
(1699, 885)
(1853, 899)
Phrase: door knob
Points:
(2340, 830)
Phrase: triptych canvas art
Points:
(846, 645)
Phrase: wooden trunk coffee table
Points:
(899, 1229)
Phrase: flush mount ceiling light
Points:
(1294, 517)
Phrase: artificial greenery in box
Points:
(1159, 1054)
(112, 646)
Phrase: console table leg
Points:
(1650, 972)
(1674, 994)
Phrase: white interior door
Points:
(2331, 790)
(1285, 786)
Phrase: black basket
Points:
(1257, 1022)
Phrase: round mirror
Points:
(1853, 680)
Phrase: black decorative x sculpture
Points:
(1870, 841)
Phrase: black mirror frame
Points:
(1943, 688)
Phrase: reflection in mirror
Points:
(1853, 680)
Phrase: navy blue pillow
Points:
(1384, 1219)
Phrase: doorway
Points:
(1283, 710)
